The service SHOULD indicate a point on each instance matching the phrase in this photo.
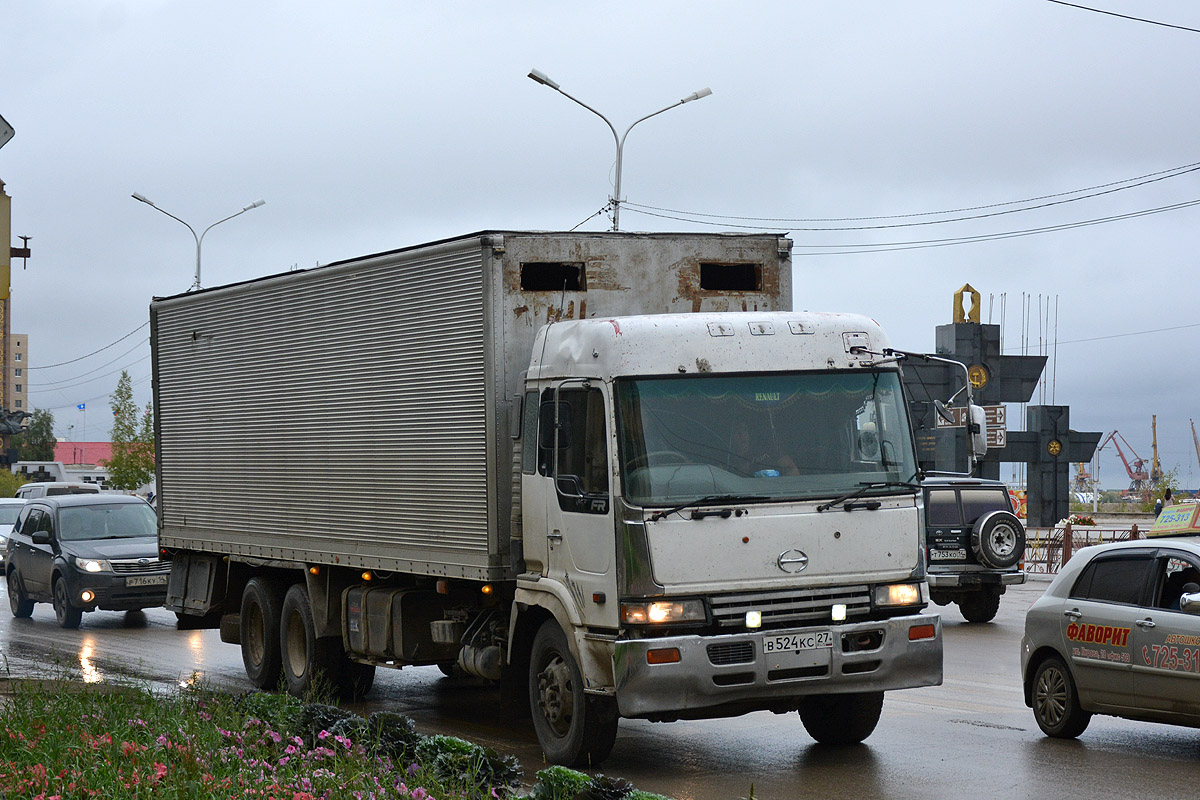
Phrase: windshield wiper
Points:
(865, 487)
(712, 499)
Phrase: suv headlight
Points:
(899, 594)
(93, 565)
(660, 612)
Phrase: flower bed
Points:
(100, 743)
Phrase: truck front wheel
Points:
(573, 728)
(261, 603)
(841, 718)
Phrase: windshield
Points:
(779, 436)
(9, 512)
(108, 521)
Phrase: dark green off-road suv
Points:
(974, 544)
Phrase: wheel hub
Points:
(555, 697)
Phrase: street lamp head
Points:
(542, 78)
(255, 204)
(142, 198)
(705, 92)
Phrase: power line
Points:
(1134, 333)
(1095, 191)
(89, 355)
(90, 380)
(1124, 16)
(884, 247)
(89, 372)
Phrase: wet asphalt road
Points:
(972, 735)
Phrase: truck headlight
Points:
(899, 594)
(92, 565)
(660, 612)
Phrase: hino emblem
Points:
(792, 561)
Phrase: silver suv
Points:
(973, 544)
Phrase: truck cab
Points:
(756, 474)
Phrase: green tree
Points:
(132, 462)
(37, 442)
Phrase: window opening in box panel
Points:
(716, 277)
(553, 276)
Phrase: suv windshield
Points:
(107, 521)
(793, 435)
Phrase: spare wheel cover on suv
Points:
(998, 540)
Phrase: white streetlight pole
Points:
(199, 239)
(545, 80)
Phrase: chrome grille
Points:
(133, 566)
(788, 607)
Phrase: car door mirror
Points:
(1189, 601)
(41, 537)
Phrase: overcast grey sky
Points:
(369, 125)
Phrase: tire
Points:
(573, 728)
(68, 616)
(312, 667)
(979, 606)
(1056, 702)
(20, 605)
(261, 604)
(998, 540)
(841, 719)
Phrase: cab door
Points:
(1166, 641)
(1098, 622)
(574, 438)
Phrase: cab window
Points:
(1121, 579)
(571, 435)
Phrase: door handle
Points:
(1073, 614)
(555, 535)
(1145, 623)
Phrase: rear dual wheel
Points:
(315, 665)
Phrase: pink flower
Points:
(419, 794)
(160, 771)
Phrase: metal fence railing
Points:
(1047, 549)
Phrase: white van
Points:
(29, 491)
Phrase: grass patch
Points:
(66, 740)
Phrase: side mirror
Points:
(942, 411)
(546, 426)
(977, 430)
(41, 537)
(1189, 601)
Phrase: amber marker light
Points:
(314, 570)
(666, 655)
(487, 588)
(919, 632)
(367, 576)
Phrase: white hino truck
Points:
(612, 472)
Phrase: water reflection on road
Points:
(972, 735)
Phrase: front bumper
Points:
(113, 592)
(968, 580)
(730, 674)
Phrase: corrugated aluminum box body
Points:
(358, 413)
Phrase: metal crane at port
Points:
(1139, 476)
